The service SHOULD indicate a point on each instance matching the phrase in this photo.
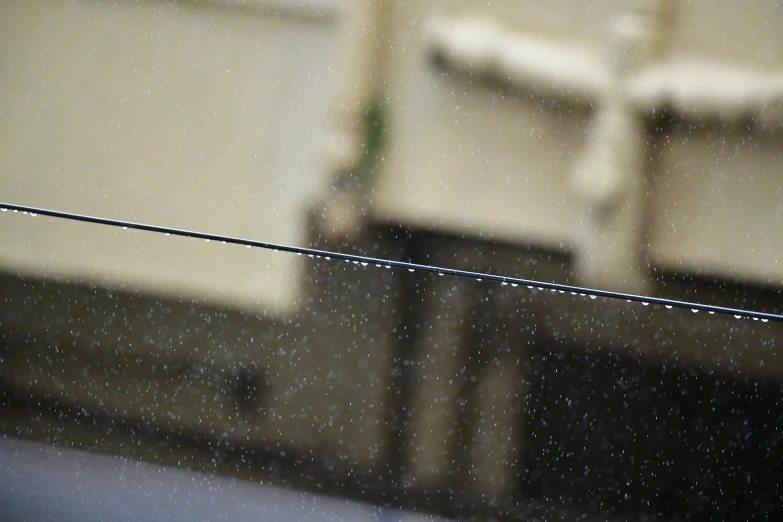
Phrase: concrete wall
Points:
(542, 124)
(193, 115)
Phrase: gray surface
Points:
(41, 483)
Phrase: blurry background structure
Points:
(631, 146)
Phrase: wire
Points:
(411, 267)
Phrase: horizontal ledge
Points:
(478, 47)
(703, 91)
(692, 89)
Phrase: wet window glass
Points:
(366, 260)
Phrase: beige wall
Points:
(200, 116)
(716, 200)
(717, 205)
(498, 159)
(467, 159)
(731, 33)
(214, 117)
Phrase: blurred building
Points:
(629, 146)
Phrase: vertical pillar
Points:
(609, 175)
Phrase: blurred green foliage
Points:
(375, 130)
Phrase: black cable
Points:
(411, 267)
